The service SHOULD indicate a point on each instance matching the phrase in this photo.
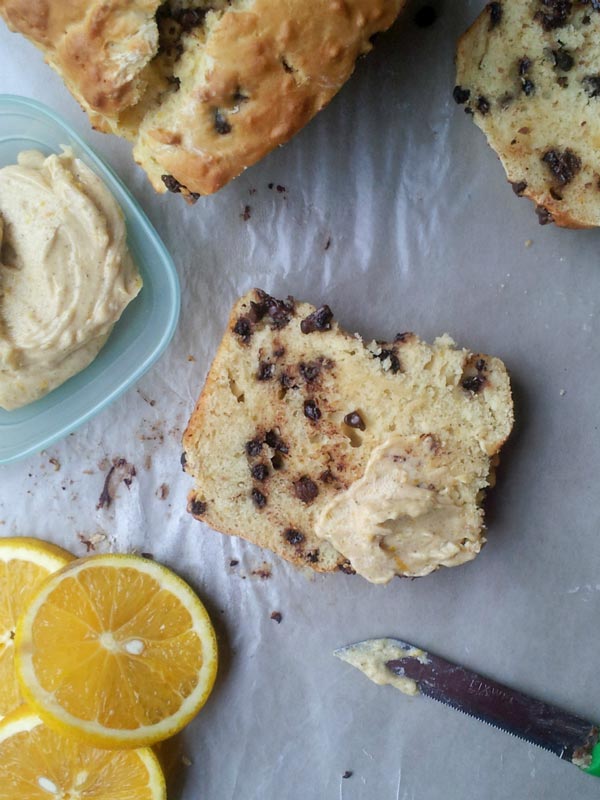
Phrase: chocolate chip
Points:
(495, 10)
(253, 447)
(319, 320)
(519, 188)
(474, 383)
(277, 461)
(562, 81)
(403, 337)
(483, 105)
(312, 410)
(265, 371)
(306, 489)
(246, 213)
(553, 14)
(480, 365)
(183, 461)
(234, 562)
(191, 18)
(564, 166)
(527, 86)
(354, 420)
(544, 216)
(347, 567)
(171, 183)
(425, 17)
(260, 472)
(591, 84)
(393, 359)
(524, 65)
(276, 616)
(260, 501)
(312, 556)
(563, 60)
(280, 311)
(274, 441)
(196, 508)
(243, 329)
(310, 371)
(293, 536)
(222, 126)
(349, 773)
(461, 95)
(327, 476)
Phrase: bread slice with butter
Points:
(338, 454)
(528, 72)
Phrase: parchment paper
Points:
(425, 235)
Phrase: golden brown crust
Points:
(238, 82)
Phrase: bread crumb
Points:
(563, 392)
(528, 242)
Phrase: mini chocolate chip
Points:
(461, 95)
(280, 311)
(327, 476)
(474, 383)
(196, 508)
(171, 183)
(354, 420)
(306, 489)
(312, 410)
(348, 774)
(495, 10)
(528, 86)
(483, 105)
(480, 365)
(524, 65)
(234, 562)
(319, 320)
(393, 358)
(591, 84)
(425, 17)
(265, 371)
(519, 188)
(553, 14)
(544, 216)
(253, 447)
(347, 567)
(260, 472)
(562, 81)
(293, 536)
(243, 329)
(276, 616)
(183, 461)
(563, 60)
(564, 166)
(260, 501)
(403, 337)
(274, 441)
(586, 20)
(222, 126)
(310, 371)
(312, 556)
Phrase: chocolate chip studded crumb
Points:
(354, 420)
(495, 10)
(347, 568)
(260, 472)
(280, 311)
(259, 499)
(265, 371)
(243, 329)
(221, 123)
(292, 536)
(312, 410)
(564, 166)
(389, 355)
(349, 773)
(306, 490)
(253, 448)
(461, 95)
(196, 508)
(319, 320)
(474, 383)
(553, 14)
(276, 617)
(544, 216)
(483, 105)
(519, 187)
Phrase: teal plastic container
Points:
(144, 330)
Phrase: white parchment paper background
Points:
(426, 235)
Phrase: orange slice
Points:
(116, 651)
(24, 564)
(36, 763)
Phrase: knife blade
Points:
(415, 671)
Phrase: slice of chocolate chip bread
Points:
(339, 454)
(529, 73)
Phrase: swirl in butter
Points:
(66, 275)
(413, 510)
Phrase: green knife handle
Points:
(594, 767)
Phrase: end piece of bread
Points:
(529, 73)
(203, 89)
(294, 407)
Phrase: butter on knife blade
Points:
(414, 671)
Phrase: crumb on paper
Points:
(528, 242)
(246, 214)
(120, 471)
(55, 463)
(186, 761)
(263, 572)
(276, 616)
(327, 244)
(163, 491)
(147, 462)
(234, 562)
(90, 542)
(347, 774)
(191, 358)
(563, 392)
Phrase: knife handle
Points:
(594, 767)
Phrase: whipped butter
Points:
(410, 513)
(371, 656)
(66, 275)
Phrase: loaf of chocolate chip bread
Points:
(340, 454)
(203, 88)
(529, 73)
